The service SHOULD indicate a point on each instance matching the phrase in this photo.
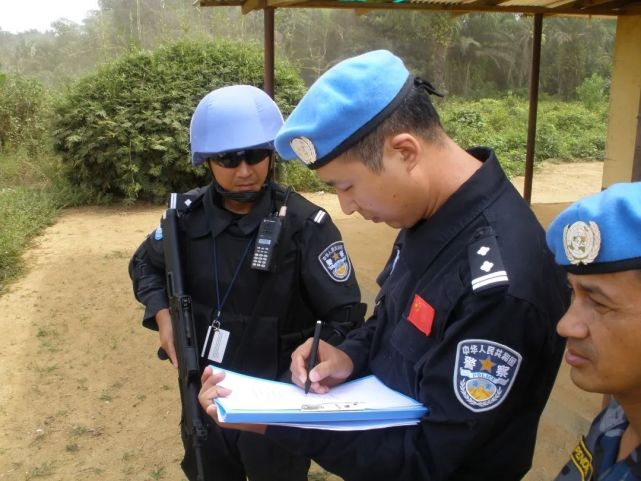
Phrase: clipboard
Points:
(366, 400)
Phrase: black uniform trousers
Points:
(242, 456)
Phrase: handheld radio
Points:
(266, 243)
(267, 239)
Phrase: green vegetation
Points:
(23, 112)
(299, 177)
(124, 132)
(115, 94)
(31, 188)
(145, 154)
(592, 91)
(44, 470)
(566, 131)
(473, 55)
(32, 192)
(24, 211)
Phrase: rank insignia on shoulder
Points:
(182, 202)
(320, 217)
(486, 265)
(484, 372)
(335, 261)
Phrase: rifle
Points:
(182, 322)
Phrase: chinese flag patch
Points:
(421, 315)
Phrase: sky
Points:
(22, 15)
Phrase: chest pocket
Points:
(252, 347)
(424, 320)
(410, 342)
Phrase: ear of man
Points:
(408, 147)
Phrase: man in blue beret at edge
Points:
(469, 298)
(598, 241)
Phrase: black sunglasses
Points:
(231, 160)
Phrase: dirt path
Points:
(82, 396)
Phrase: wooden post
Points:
(636, 159)
(534, 100)
(268, 75)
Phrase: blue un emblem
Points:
(484, 372)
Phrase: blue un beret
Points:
(344, 105)
(599, 233)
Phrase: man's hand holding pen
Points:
(332, 368)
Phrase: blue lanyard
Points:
(221, 302)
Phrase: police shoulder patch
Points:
(335, 261)
(484, 372)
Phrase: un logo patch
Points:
(335, 261)
(484, 372)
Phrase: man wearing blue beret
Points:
(598, 241)
(469, 300)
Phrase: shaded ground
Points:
(82, 396)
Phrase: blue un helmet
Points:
(232, 119)
(228, 119)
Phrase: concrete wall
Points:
(623, 145)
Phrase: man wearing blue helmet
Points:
(598, 241)
(252, 305)
(469, 299)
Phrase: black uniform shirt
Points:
(233, 235)
(267, 313)
(465, 323)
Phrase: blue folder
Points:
(256, 400)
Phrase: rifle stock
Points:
(182, 322)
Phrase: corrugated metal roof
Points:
(548, 7)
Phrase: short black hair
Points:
(415, 114)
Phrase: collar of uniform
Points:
(424, 242)
(220, 219)
(613, 419)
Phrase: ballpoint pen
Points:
(311, 362)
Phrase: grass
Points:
(43, 470)
(24, 212)
(32, 192)
(105, 396)
(78, 430)
(157, 473)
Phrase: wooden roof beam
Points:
(460, 8)
(572, 7)
(483, 3)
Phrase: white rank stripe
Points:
(172, 200)
(320, 215)
(494, 277)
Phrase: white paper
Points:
(365, 403)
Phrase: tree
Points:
(23, 112)
(124, 131)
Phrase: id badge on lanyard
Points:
(216, 351)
